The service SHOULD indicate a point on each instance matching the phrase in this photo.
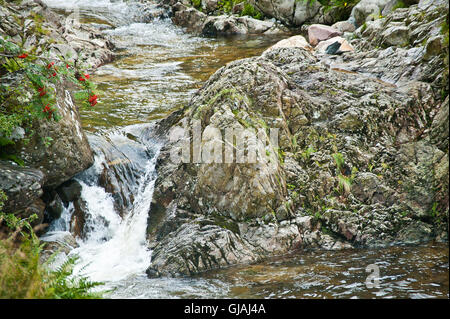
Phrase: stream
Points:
(158, 68)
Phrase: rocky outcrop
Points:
(23, 187)
(226, 24)
(69, 152)
(370, 10)
(49, 32)
(292, 12)
(360, 158)
(57, 150)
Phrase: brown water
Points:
(159, 68)
(404, 272)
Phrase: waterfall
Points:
(118, 248)
(114, 247)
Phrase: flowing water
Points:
(158, 68)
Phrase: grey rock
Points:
(22, 186)
(69, 191)
(375, 107)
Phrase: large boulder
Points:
(359, 158)
(367, 10)
(22, 186)
(319, 32)
(68, 152)
(198, 22)
(292, 12)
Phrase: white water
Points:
(115, 248)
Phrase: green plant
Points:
(339, 160)
(23, 276)
(399, 4)
(197, 4)
(306, 154)
(226, 5)
(341, 8)
(344, 179)
(250, 10)
(28, 91)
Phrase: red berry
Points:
(82, 79)
(23, 56)
(92, 98)
(93, 102)
(87, 76)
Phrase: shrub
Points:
(27, 90)
(23, 276)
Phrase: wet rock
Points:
(152, 273)
(57, 243)
(78, 219)
(69, 191)
(189, 18)
(317, 33)
(22, 186)
(416, 233)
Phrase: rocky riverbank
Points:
(361, 160)
(46, 166)
(238, 17)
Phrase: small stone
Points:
(297, 41)
(320, 32)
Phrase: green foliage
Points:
(399, 4)
(344, 181)
(3, 199)
(197, 4)
(28, 90)
(23, 276)
(227, 5)
(306, 154)
(339, 160)
(250, 10)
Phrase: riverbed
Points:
(158, 68)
